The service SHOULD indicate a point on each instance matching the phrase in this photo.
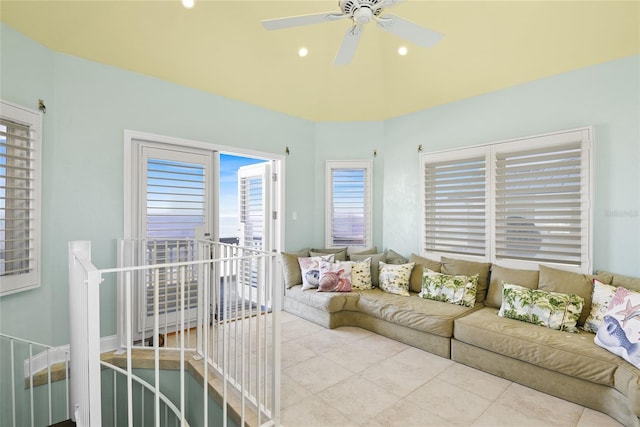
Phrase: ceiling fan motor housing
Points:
(361, 11)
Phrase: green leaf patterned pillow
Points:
(460, 290)
(550, 309)
(394, 278)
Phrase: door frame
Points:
(133, 142)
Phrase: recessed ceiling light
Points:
(402, 50)
(188, 3)
(303, 52)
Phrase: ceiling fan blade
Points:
(348, 46)
(409, 31)
(298, 21)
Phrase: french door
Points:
(255, 220)
(176, 202)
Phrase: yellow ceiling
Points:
(220, 47)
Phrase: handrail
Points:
(209, 273)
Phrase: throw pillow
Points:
(551, 309)
(459, 267)
(310, 270)
(567, 282)
(600, 299)
(460, 290)
(340, 254)
(375, 262)
(394, 278)
(291, 267)
(335, 276)
(393, 257)
(526, 278)
(361, 274)
(415, 282)
(372, 250)
(620, 329)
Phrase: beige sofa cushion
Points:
(571, 354)
(458, 267)
(415, 282)
(413, 312)
(524, 278)
(290, 267)
(631, 283)
(331, 302)
(567, 282)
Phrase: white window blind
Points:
(455, 193)
(519, 202)
(175, 198)
(19, 199)
(539, 209)
(349, 203)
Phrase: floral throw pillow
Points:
(460, 290)
(620, 329)
(361, 274)
(550, 309)
(394, 278)
(335, 276)
(600, 300)
(310, 270)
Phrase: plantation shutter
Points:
(455, 193)
(177, 200)
(18, 208)
(541, 204)
(349, 204)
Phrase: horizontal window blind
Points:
(538, 204)
(455, 193)
(175, 198)
(349, 216)
(17, 203)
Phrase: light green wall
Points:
(605, 96)
(89, 106)
(348, 141)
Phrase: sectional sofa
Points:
(565, 364)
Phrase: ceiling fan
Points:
(361, 12)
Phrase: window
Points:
(348, 215)
(519, 202)
(20, 146)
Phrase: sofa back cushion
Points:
(631, 283)
(458, 267)
(524, 278)
(421, 264)
(291, 268)
(567, 282)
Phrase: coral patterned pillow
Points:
(620, 329)
(335, 276)
(310, 270)
(394, 278)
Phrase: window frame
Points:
(491, 151)
(33, 120)
(367, 166)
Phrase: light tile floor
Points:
(352, 377)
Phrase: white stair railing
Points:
(31, 396)
(205, 307)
